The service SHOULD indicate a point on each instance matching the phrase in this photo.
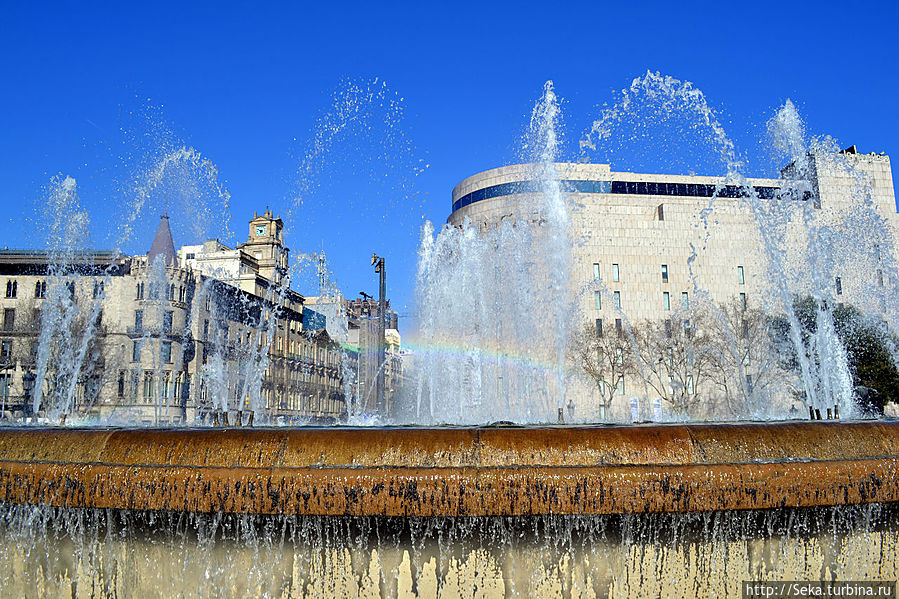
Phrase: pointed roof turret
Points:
(162, 243)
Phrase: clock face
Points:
(260, 230)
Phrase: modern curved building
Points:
(636, 233)
(643, 246)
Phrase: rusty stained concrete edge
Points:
(493, 491)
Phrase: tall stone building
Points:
(164, 337)
(649, 247)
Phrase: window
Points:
(98, 289)
(617, 296)
(685, 300)
(879, 279)
(135, 351)
(40, 289)
(134, 383)
(139, 294)
(5, 349)
(618, 329)
(599, 327)
(839, 286)
(190, 256)
(596, 271)
(666, 300)
(616, 275)
(619, 356)
(181, 294)
(205, 329)
(172, 292)
(597, 300)
(148, 384)
(664, 273)
(167, 321)
(5, 380)
(138, 320)
(11, 288)
(740, 276)
(742, 301)
(121, 389)
(166, 384)
(690, 389)
(166, 352)
(661, 210)
(9, 319)
(668, 328)
(620, 385)
(749, 383)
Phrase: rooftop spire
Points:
(162, 243)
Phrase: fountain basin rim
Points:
(455, 472)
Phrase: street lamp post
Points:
(378, 263)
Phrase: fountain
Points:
(483, 510)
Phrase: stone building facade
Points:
(165, 337)
(646, 247)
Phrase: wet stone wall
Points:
(84, 552)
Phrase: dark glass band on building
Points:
(618, 187)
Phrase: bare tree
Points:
(606, 358)
(747, 369)
(677, 357)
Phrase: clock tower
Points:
(266, 246)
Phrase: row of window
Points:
(181, 384)
(666, 295)
(838, 282)
(616, 273)
(666, 300)
(167, 318)
(12, 289)
(40, 289)
(165, 351)
(171, 291)
(616, 187)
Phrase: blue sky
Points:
(99, 91)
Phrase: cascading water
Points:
(80, 553)
(491, 366)
(543, 131)
(65, 351)
(481, 298)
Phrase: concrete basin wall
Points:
(455, 471)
